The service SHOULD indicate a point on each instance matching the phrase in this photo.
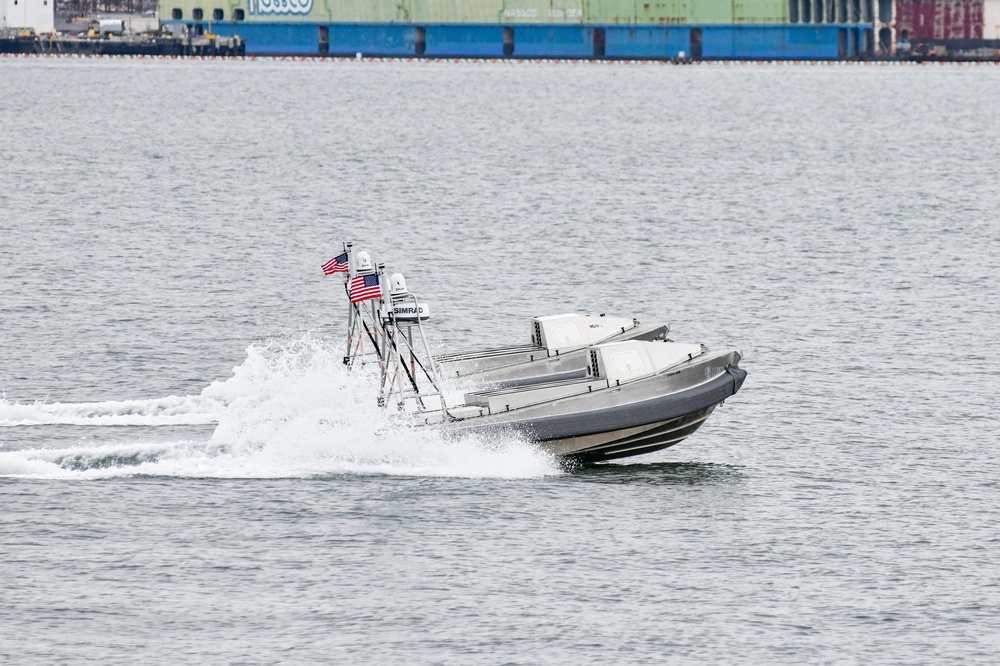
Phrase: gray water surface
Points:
(187, 473)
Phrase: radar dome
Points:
(364, 262)
(397, 285)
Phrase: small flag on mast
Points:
(336, 265)
(365, 287)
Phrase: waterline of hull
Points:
(629, 441)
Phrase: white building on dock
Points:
(38, 15)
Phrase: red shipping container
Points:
(939, 19)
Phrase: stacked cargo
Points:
(663, 29)
(940, 20)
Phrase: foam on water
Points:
(205, 408)
(290, 410)
(171, 410)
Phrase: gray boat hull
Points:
(631, 419)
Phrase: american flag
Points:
(336, 265)
(364, 287)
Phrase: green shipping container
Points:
(760, 11)
(455, 11)
(369, 11)
(495, 12)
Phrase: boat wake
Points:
(171, 410)
(290, 410)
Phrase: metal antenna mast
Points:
(408, 369)
(364, 326)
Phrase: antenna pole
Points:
(351, 324)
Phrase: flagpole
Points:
(350, 306)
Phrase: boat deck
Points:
(489, 353)
(506, 399)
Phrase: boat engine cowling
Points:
(632, 359)
(567, 332)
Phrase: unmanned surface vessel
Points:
(637, 397)
(602, 394)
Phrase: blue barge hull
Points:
(449, 40)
